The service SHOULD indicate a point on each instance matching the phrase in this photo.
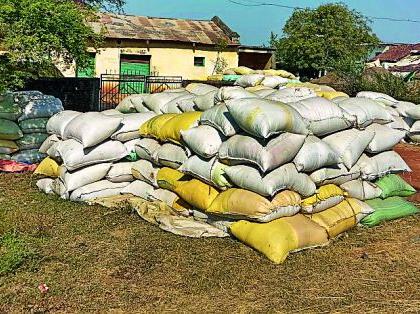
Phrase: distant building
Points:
(400, 60)
(160, 46)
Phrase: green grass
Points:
(14, 252)
(95, 259)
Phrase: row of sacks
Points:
(23, 119)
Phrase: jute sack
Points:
(73, 180)
(204, 140)
(58, 122)
(220, 118)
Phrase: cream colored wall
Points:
(166, 60)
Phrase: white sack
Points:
(315, 154)
(349, 144)
(249, 80)
(232, 92)
(155, 102)
(335, 175)
(73, 180)
(385, 138)
(173, 106)
(74, 156)
(381, 165)
(274, 81)
(199, 88)
(408, 109)
(50, 141)
(265, 155)
(162, 195)
(380, 97)
(130, 125)
(263, 118)
(58, 122)
(91, 128)
(284, 177)
(145, 171)
(146, 147)
(171, 155)
(291, 94)
(120, 172)
(44, 185)
(366, 111)
(204, 140)
(220, 118)
(399, 123)
(323, 116)
(264, 93)
(206, 101)
(138, 188)
(362, 190)
(97, 189)
(186, 105)
(132, 103)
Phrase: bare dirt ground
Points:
(99, 260)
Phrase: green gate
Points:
(136, 67)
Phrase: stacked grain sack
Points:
(295, 175)
(23, 119)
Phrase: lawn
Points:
(95, 259)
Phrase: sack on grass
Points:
(388, 209)
(30, 156)
(197, 193)
(145, 171)
(97, 189)
(278, 238)
(138, 188)
(341, 217)
(243, 204)
(48, 167)
(73, 180)
(45, 185)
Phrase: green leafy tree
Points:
(36, 34)
(324, 38)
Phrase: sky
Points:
(254, 24)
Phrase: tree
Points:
(36, 34)
(324, 38)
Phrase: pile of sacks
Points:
(233, 74)
(279, 176)
(23, 119)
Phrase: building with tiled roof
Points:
(161, 46)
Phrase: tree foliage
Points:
(36, 34)
(324, 38)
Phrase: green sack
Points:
(231, 77)
(394, 185)
(388, 209)
(31, 141)
(9, 130)
(8, 109)
(8, 147)
(38, 125)
(132, 156)
(31, 156)
(4, 157)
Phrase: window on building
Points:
(89, 71)
(199, 61)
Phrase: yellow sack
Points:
(314, 87)
(239, 203)
(170, 179)
(257, 88)
(331, 94)
(171, 129)
(341, 217)
(242, 70)
(276, 239)
(152, 126)
(216, 77)
(281, 73)
(327, 196)
(48, 167)
(197, 193)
